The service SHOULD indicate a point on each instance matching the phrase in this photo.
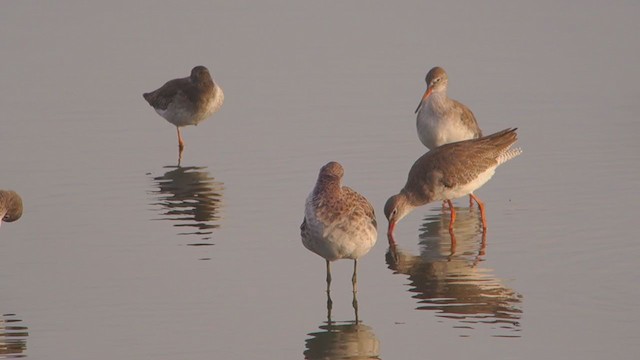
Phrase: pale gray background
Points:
(93, 274)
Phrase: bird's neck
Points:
(415, 199)
(438, 101)
(204, 83)
(327, 188)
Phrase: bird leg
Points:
(481, 251)
(354, 278)
(453, 215)
(354, 282)
(329, 308)
(394, 255)
(481, 206)
(328, 276)
(453, 242)
(354, 303)
(470, 201)
(180, 140)
(329, 301)
(180, 151)
(483, 245)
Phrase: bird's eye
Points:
(393, 213)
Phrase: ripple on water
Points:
(447, 276)
(13, 337)
(342, 339)
(191, 199)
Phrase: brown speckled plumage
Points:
(331, 200)
(339, 223)
(10, 206)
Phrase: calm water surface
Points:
(123, 253)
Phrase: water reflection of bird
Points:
(10, 206)
(468, 227)
(446, 276)
(343, 340)
(13, 337)
(191, 198)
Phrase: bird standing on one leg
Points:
(187, 101)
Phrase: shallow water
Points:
(121, 253)
(190, 198)
(446, 276)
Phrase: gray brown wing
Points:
(161, 98)
(460, 162)
(460, 168)
(469, 120)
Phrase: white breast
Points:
(439, 125)
(341, 239)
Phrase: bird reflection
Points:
(190, 198)
(446, 278)
(343, 339)
(13, 337)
